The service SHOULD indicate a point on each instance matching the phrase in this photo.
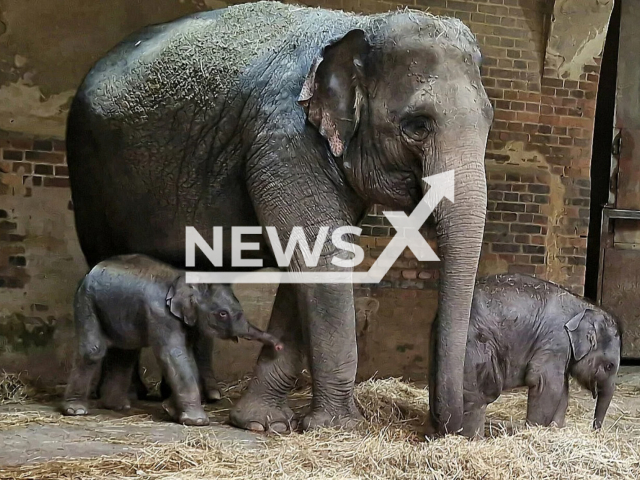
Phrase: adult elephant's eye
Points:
(417, 128)
(223, 314)
(609, 366)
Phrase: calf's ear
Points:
(582, 334)
(181, 302)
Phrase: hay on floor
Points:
(13, 388)
(385, 447)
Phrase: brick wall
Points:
(25, 163)
(40, 260)
(539, 148)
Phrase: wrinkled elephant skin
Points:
(265, 114)
(524, 331)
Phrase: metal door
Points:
(619, 273)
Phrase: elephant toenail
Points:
(278, 427)
(255, 427)
(214, 395)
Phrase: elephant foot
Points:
(211, 395)
(255, 413)
(319, 418)
(74, 408)
(192, 416)
(116, 403)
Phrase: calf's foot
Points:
(211, 395)
(74, 408)
(194, 416)
(115, 402)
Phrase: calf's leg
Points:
(92, 346)
(546, 391)
(184, 404)
(559, 416)
(473, 421)
(118, 370)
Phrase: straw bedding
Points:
(13, 389)
(388, 446)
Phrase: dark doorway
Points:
(601, 151)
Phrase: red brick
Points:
(410, 274)
(546, 110)
(494, 93)
(21, 143)
(43, 170)
(588, 86)
(62, 171)
(44, 157)
(15, 155)
(552, 82)
(493, 10)
(43, 145)
(527, 117)
(56, 182)
(23, 167)
(504, 115)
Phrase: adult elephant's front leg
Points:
(264, 405)
(329, 316)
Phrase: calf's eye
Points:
(609, 366)
(223, 314)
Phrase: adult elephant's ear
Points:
(582, 334)
(332, 93)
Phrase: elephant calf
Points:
(527, 332)
(132, 301)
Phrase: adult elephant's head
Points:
(396, 101)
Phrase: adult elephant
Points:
(277, 115)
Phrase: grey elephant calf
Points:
(133, 301)
(527, 332)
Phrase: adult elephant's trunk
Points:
(460, 227)
(605, 394)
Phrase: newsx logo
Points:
(407, 235)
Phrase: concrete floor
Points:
(40, 433)
(36, 432)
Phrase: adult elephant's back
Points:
(160, 129)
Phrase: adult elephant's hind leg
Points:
(329, 315)
(264, 405)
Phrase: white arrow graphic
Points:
(408, 228)
(441, 185)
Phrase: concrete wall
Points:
(541, 76)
